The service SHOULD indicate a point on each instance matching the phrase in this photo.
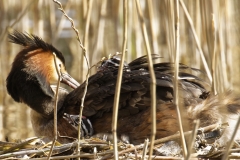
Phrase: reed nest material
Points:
(95, 148)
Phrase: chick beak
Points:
(68, 80)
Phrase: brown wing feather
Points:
(135, 91)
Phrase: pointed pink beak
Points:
(68, 80)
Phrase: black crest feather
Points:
(33, 42)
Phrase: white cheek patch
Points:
(59, 65)
(54, 72)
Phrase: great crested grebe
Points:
(32, 80)
(33, 72)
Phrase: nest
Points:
(203, 145)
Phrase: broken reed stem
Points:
(196, 40)
(135, 154)
(145, 149)
(176, 70)
(88, 66)
(230, 143)
(194, 134)
(119, 80)
(58, 69)
(152, 75)
(95, 153)
(214, 57)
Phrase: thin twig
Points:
(152, 75)
(58, 69)
(196, 40)
(87, 76)
(176, 70)
(88, 66)
(119, 80)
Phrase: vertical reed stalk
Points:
(119, 80)
(196, 40)
(176, 70)
(55, 107)
(152, 76)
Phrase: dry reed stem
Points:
(12, 147)
(42, 151)
(95, 153)
(170, 28)
(152, 27)
(136, 154)
(176, 70)
(152, 76)
(100, 31)
(119, 80)
(214, 60)
(87, 76)
(85, 43)
(55, 105)
(193, 136)
(196, 40)
(145, 149)
(86, 31)
(223, 39)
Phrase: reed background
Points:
(217, 24)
